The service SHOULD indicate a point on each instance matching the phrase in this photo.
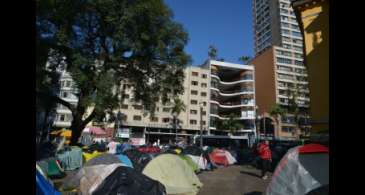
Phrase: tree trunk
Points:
(76, 128)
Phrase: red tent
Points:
(219, 157)
(302, 170)
(149, 149)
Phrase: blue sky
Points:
(225, 24)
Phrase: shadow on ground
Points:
(253, 193)
(249, 173)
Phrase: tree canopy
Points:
(102, 43)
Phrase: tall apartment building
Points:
(211, 92)
(279, 67)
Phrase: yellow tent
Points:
(88, 156)
(62, 133)
(174, 173)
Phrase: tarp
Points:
(301, 170)
(103, 159)
(174, 173)
(43, 187)
(139, 159)
(125, 160)
(219, 157)
(51, 168)
(88, 179)
(96, 131)
(190, 162)
(86, 139)
(200, 161)
(149, 149)
(127, 181)
(71, 158)
(88, 156)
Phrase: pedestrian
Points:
(265, 155)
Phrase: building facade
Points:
(280, 74)
(313, 18)
(211, 92)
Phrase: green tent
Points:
(174, 173)
(190, 162)
(51, 168)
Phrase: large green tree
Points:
(102, 43)
(232, 124)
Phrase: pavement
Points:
(233, 180)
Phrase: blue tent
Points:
(125, 160)
(43, 186)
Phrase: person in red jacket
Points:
(265, 155)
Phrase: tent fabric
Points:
(299, 173)
(219, 157)
(200, 161)
(125, 160)
(230, 158)
(149, 149)
(174, 173)
(313, 148)
(43, 187)
(70, 159)
(190, 162)
(51, 168)
(100, 147)
(88, 156)
(90, 177)
(96, 131)
(138, 159)
(86, 139)
(103, 159)
(127, 181)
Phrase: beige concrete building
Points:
(211, 92)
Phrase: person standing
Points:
(265, 155)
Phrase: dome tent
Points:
(302, 170)
(174, 173)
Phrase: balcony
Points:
(245, 78)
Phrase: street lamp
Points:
(201, 124)
(119, 120)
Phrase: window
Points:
(62, 117)
(204, 94)
(286, 46)
(194, 82)
(126, 96)
(284, 60)
(194, 92)
(203, 122)
(137, 107)
(286, 39)
(195, 74)
(68, 83)
(285, 18)
(297, 48)
(154, 119)
(287, 129)
(165, 120)
(285, 32)
(194, 102)
(283, 53)
(204, 76)
(62, 83)
(204, 113)
(124, 106)
(157, 109)
(297, 55)
(64, 94)
(193, 122)
(205, 103)
(284, 68)
(166, 109)
(124, 117)
(137, 118)
(193, 112)
(204, 85)
(298, 63)
(296, 34)
(284, 11)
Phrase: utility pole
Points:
(201, 125)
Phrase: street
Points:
(233, 180)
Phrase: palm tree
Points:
(177, 108)
(244, 59)
(276, 111)
(232, 124)
(212, 52)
